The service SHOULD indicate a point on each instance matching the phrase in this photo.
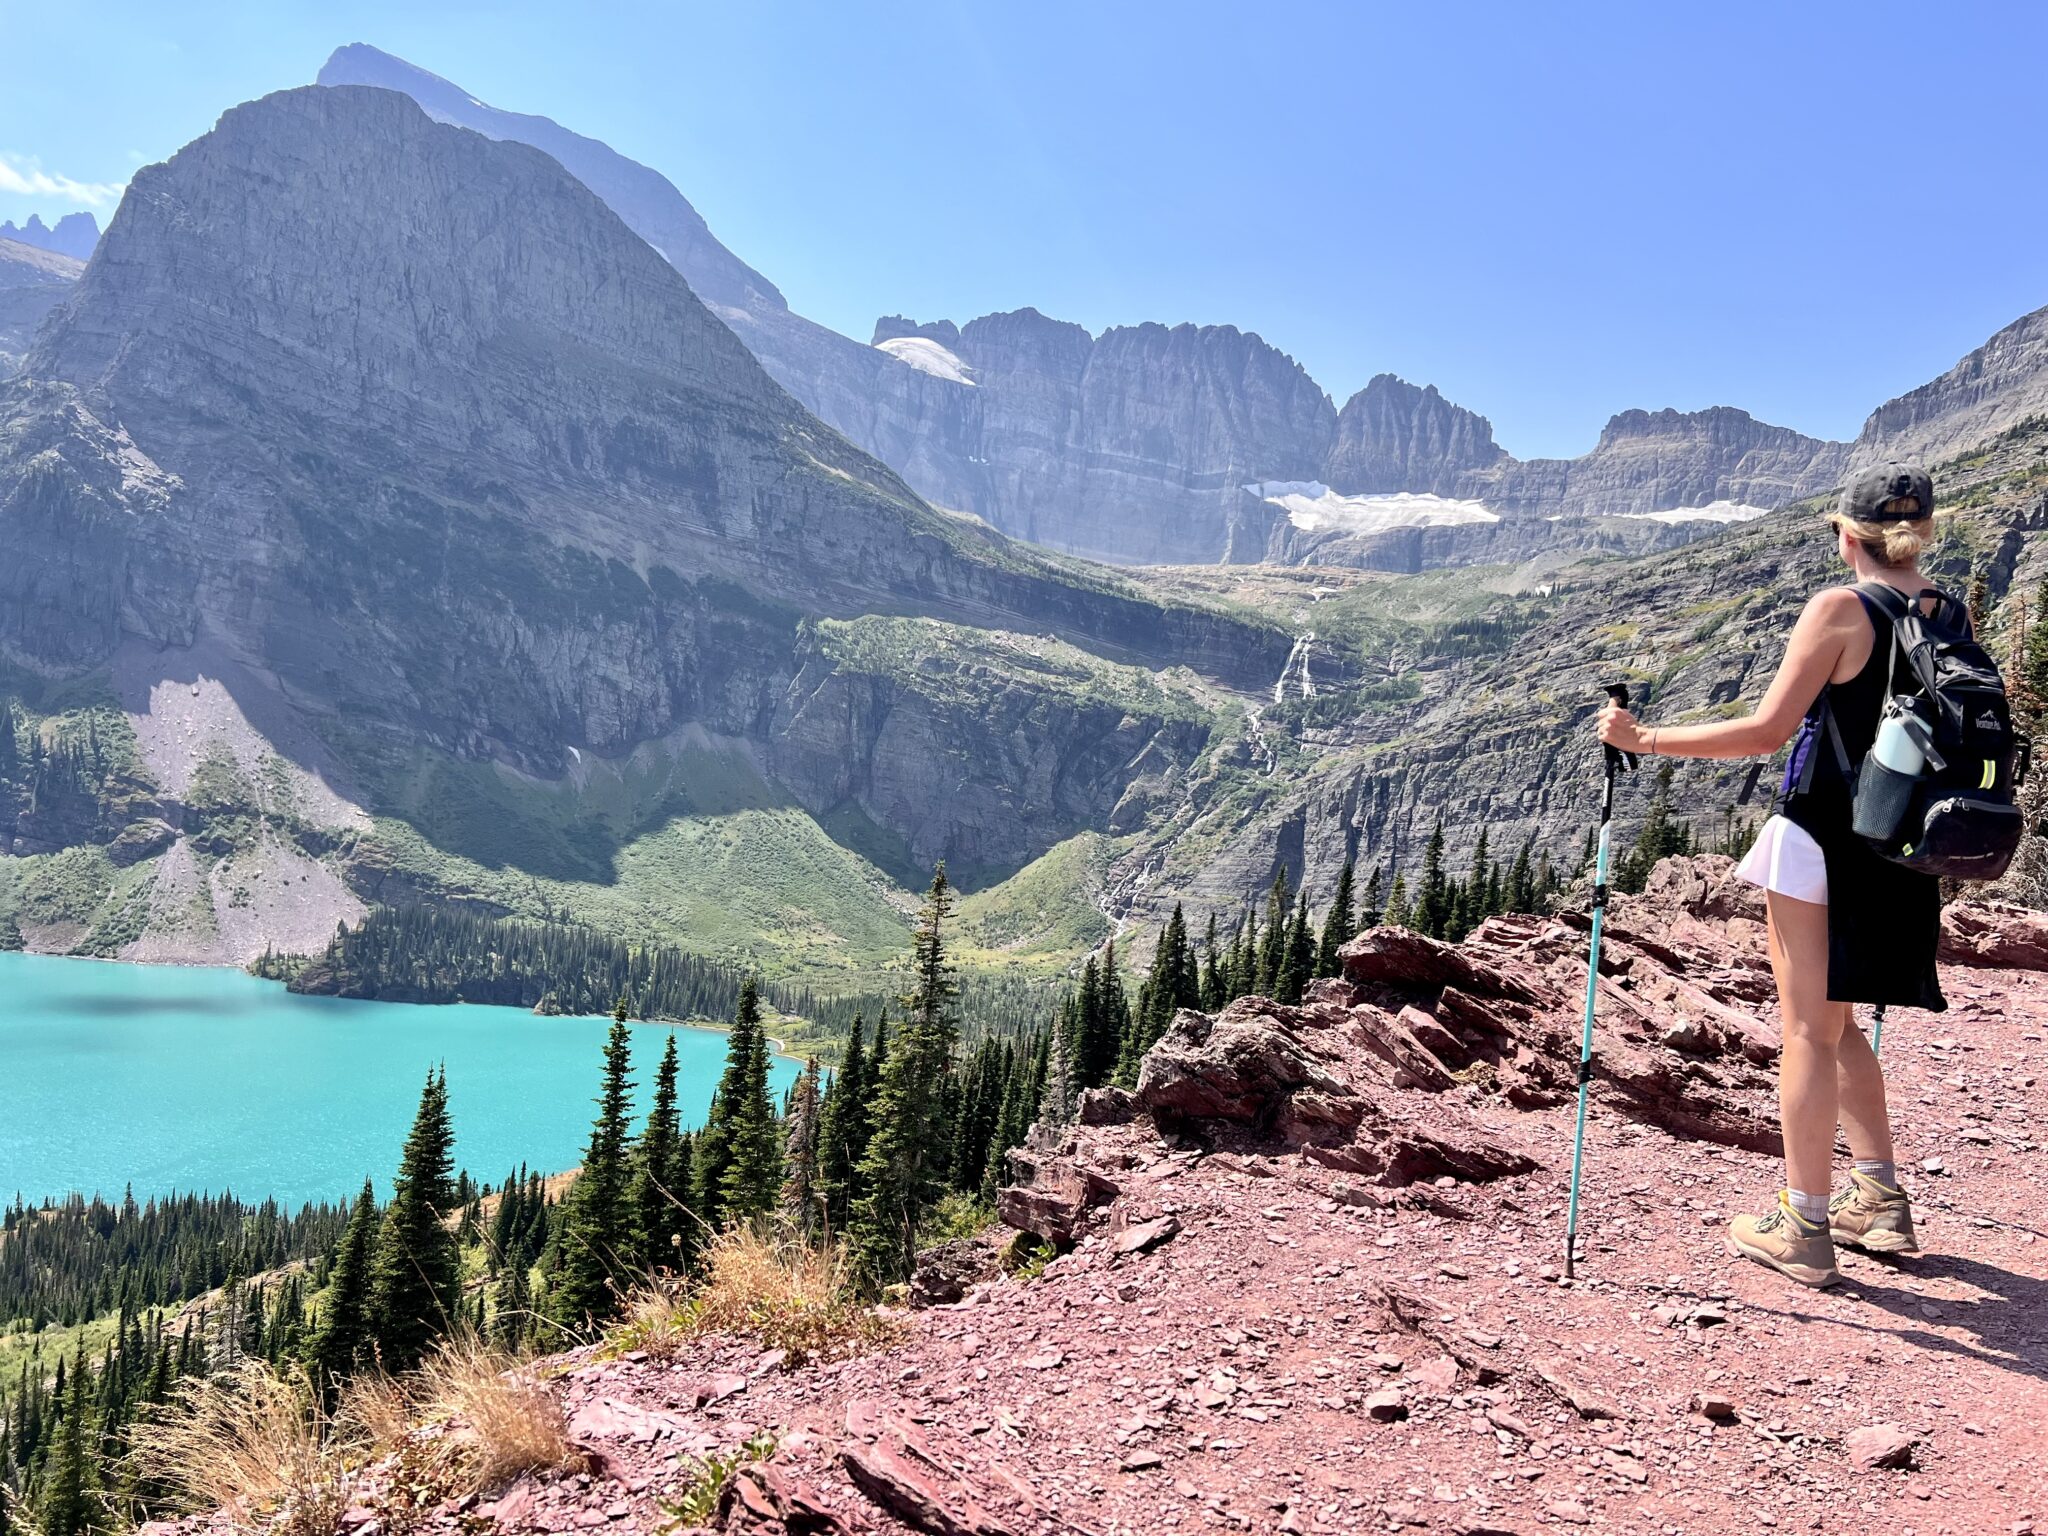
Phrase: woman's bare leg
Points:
(1813, 1028)
(1860, 1089)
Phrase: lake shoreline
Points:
(179, 1078)
(780, 1051)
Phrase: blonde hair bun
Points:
(1889, 510)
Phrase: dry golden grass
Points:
(375, 1412)
(515, 1422)
(502, 1418)
(246, 1441)
(790, 1293)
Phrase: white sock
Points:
(1812, 1209)
(1884, 1173)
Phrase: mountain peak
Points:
(1723, 425)
(1397, 436)
(74, 235)
(648, 201)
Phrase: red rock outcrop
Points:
(1387, 1073)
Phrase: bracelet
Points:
(1653, 739)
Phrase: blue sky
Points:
(1551, 212)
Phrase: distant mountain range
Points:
(1151, 443)
(75, 234)
(389, 519)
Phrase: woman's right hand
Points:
(1616, 727)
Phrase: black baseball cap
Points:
(1864, 497)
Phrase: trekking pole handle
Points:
(1616, 758)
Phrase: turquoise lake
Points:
(173, 1077)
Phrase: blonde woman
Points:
(1846, 926)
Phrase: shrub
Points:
(246, 1441)
(790, 1293)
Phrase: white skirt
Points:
(1785, 858)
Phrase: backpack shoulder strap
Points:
(1888, 600)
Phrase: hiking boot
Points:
(1788, 1242)
(1873, 1217)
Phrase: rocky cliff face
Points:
(1994, 389)
(1132, 446)
(1394, 436)
(33, 282)
(405, 424)
(650, 205)
(1678, 461)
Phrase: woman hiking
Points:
(1846, 926)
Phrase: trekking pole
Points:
(1877, 1030)
(1616, 760)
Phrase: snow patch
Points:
(1314, 508)
(1712, 512)
(927, 356)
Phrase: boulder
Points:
(1395, 957)
(1051, 1194)
(1106, 1106)
(1882, 1445)
(1144, 1236)
(1994, 935)
(1241, 1066)
(944, 1273)
(890, 1461)
(767, 1499)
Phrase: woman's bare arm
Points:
(1826, 627)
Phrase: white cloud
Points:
(25, 178)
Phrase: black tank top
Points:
(1822, 807)
(1884, 920)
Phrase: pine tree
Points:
(1374, 902)
(660, 1181)
(1214, 985)
(1480, 881)
(343, 1334)
(1398, 914)
(1273, 951)
(1662, 836)
(1433, 901)
(1098, 1038)
(595, 1241)
(67, 1506)
(1173, 983)
(1338, 925)
(1244, 960)
(512, 1308)
(753, 1178)
(415, 1272)
(802, 1184)
(842, 1132)
(898, 1176)
(1298, 955)
(1116, 1008)
(1520, 892)
(1060, 1101)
